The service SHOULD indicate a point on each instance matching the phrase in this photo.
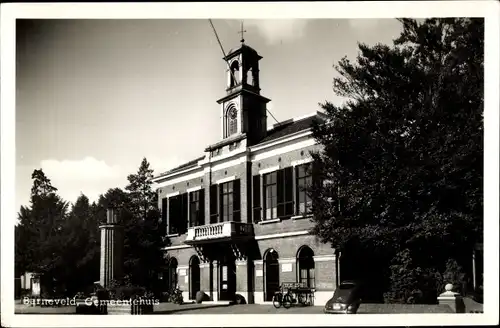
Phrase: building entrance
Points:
(227, 278)
(194, 279)
(272, 274)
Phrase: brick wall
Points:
(248, 276)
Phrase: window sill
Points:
(300, 217)
(270, 221)
(173, 235)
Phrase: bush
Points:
(176, 296)
(26, 293)
(411, 284)
(453, 274)
(165, 297)
(127, 292)
(201, 296)
(239, 299)
(102, 294)
(88, 309)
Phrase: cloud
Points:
(373, 25)
(94, 177)
(89, 176)
(278, 30)
(363, 23)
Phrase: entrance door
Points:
(227, 279)
(272, 274)
(194, 277)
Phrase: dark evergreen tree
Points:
(40, 233)
(82, 247)
(143, 231)
(402, 162)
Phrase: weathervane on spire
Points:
(241, 32)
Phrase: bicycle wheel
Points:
(287, 301)
(277, 300)
(302, 299)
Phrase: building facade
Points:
(237, 217)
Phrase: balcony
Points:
(223, 231)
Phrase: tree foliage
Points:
(63, 244)
(142, 232)
(403, 157)
(39, 234)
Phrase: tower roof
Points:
(243, 48)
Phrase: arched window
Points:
(250, 76)
(231, 121)
(235, 73)
(271, 274)
(305, 266)
(172, 274)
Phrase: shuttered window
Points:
(214, 200)
(304, 179)
(236, 201)
(164, 212)
(285, 192)
(256, 190)
(230, 201)
(270, 196)
(197, 208)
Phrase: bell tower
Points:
(243, 109)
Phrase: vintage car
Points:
(346, 298)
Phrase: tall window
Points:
(177, 214)
(196, 208)
(304, 179)
(270, 196)
(305, 263)
(227, 201)
(172, 274)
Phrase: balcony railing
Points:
(219, 231)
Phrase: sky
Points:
(93, 97)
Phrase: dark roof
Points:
(186, 165)
(242, 48)
(285, 128)
(279, 130)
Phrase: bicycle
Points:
(288, 299)
(277, 299)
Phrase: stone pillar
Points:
(258, 293)
(244, 281)
(205, 278)
(215, 281)
(111, 249)
(452, 299)
(183, 280)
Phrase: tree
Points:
(82, 247)
(143, 198)
(143, 231)
(39, 232)
(403, 155)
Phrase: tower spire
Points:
(241, 32)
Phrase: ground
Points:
(169, 308)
